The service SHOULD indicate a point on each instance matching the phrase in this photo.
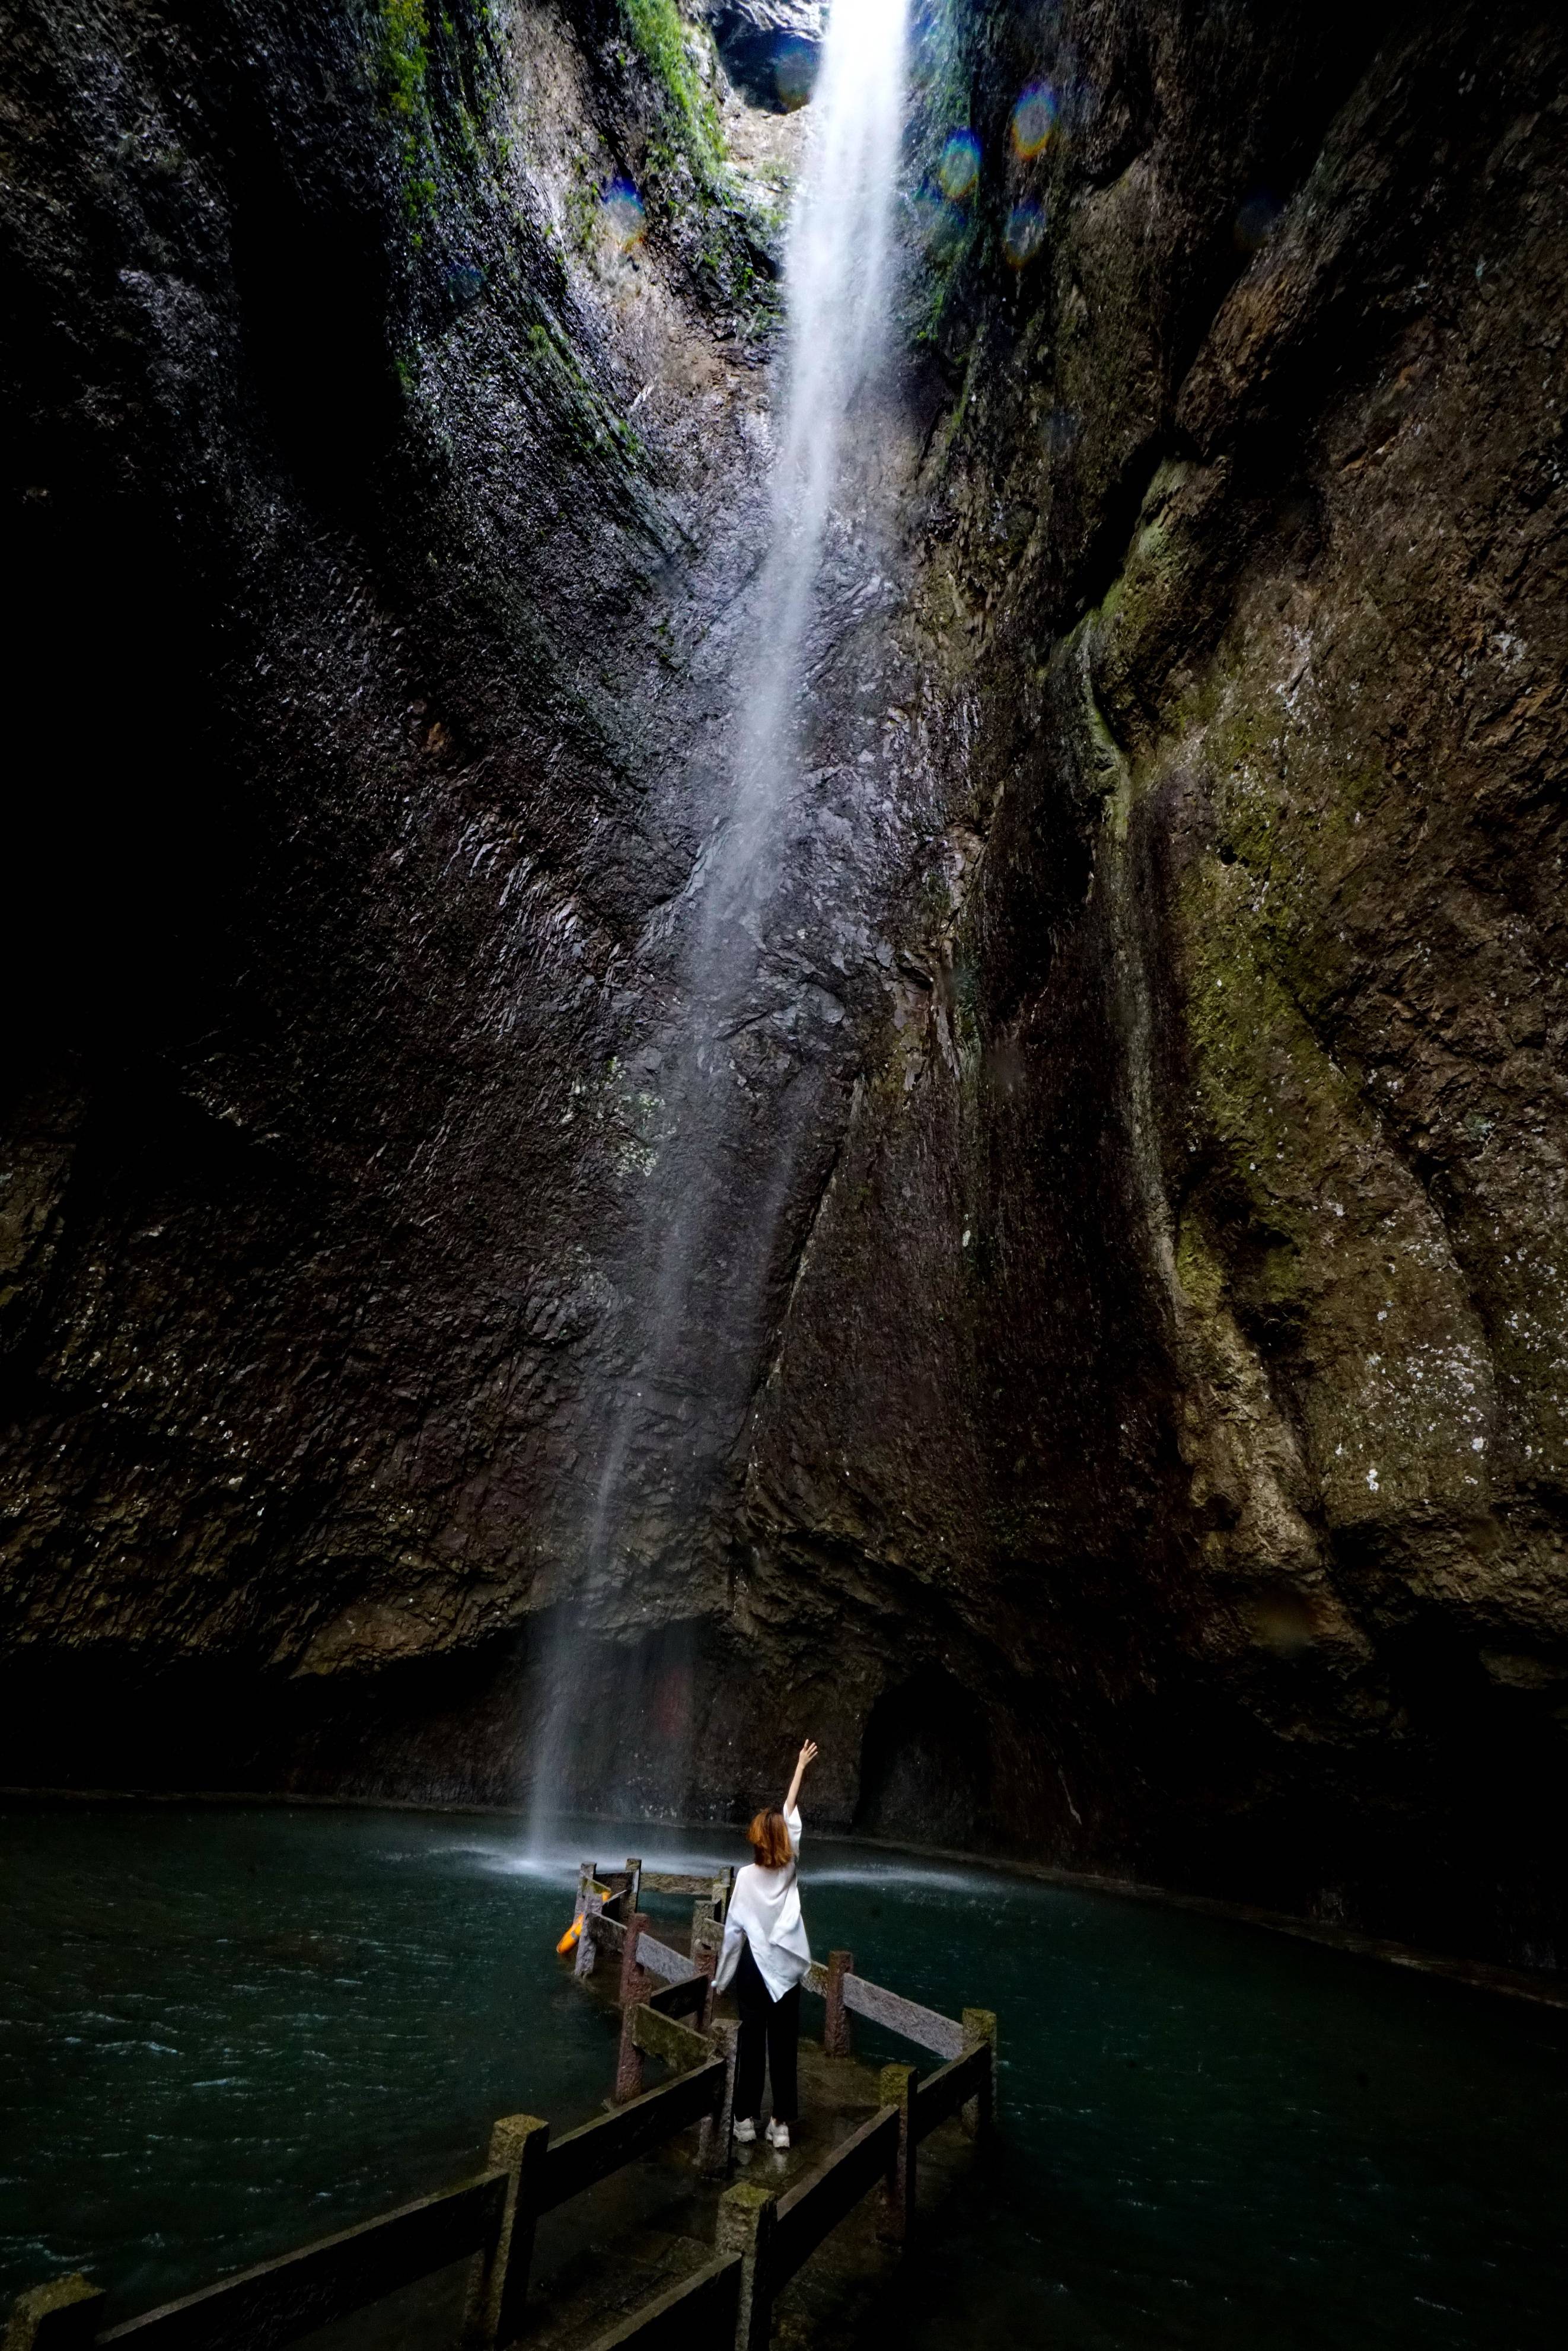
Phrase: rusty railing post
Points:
(498, 2278)
(708, 1940)
(63, 2315)
(979, 2114)
(628, 2062)
(836, 2041)
(587, 1949)
(746, 2218)
(706, 1960)
(633, 1988)
(896, 2087)
(715, 2142)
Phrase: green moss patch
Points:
(661, 36)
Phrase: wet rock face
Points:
(384, 497)
(1203, 1222)
(1152, 1457)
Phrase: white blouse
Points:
(765, 1911)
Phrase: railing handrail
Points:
(681, 1999)
(951, 2087)
(660, 1960)
(710, 2297)
(278, 2301)
(927, 2028)
(313, 2285)
(581, 2158)
(815, 2206)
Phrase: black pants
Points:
(765, 2025)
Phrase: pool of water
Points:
(224, 2031)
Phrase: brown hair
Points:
(769, 1832)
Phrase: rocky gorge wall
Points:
(1153, 1457)
(1208, 1199)
(383, 506)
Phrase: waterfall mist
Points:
(757, 1005)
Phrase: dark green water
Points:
(223, 2031)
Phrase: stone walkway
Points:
(614, 2248)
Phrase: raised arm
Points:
(808, 1755)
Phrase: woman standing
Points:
(764, 1955)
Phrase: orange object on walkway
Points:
(572, 1935)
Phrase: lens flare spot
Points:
(795, 67)
(960, 165)
(1024, 234)
(1257, 221)
(1034, 120)
(620, 211)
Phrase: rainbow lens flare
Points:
(794, 72)
(960, 165)
(1024, 234)
(1034, 120)
(621, 210)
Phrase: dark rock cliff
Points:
(1156, 1458)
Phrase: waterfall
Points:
(713, 1206)
(836, 287)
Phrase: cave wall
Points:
(379, 511)
(1181, 1339)
(1155, 1455)
(388, 486)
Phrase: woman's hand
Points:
(808, 1755)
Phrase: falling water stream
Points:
(713, 1200)
(837, 288)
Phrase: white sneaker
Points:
(745, 2132)
(778, 2135)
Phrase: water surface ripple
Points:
(222, 2031)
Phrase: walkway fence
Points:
(762, 2238)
